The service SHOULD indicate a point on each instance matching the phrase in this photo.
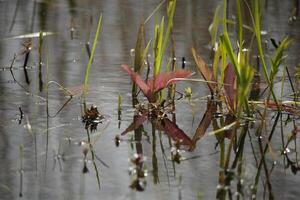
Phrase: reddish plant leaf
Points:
(228, 120)
(286, 107)
(175, 132)
(204, 70)
(136, 78)
(205, 122)
(138, 120)
(229, 86)
(163, 80)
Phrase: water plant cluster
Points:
(235, 104)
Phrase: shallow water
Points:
(55, 145)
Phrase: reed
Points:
(161, 39)
(89, 66)
(40, 61)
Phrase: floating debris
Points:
(30, 35)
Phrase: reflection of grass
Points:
(40, 61)
(21, 150)
(91, 148)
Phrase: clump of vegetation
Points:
(92, 118)
(153, 87)
(230, 81)
(156, 83)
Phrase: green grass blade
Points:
(213, 28)
(159, 30)
(256, 18)
(170, 11)
(229, 50)
(139, 47)
(88, 69)
(240, 24)
(155, 10)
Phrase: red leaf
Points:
(138, 120)
(136, 78)
(229, 85)
(286, 107)
(163, 80)
(175, 132)
(205, 122)
(228, 120)
(204, 70)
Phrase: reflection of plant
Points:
(297, 75)
(91, 118)
(161, 122)
(139, 172)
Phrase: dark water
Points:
(57, 150)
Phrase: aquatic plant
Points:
(91, 57)
(159, 121)
(161, 39)
(154, 111)
(229, 82)
(92, 118)
(155, 84)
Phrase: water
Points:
(56, 150)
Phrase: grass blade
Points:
(88, 69)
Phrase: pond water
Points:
(52, 163)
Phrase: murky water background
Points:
(59, 167)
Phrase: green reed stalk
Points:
(257, 32)
(213, 28)
(244, 72)
(88, 69)
(161, 39)
(170, 12)
(140, 54)
(158, 41)
(240, 24)
(154, 11)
